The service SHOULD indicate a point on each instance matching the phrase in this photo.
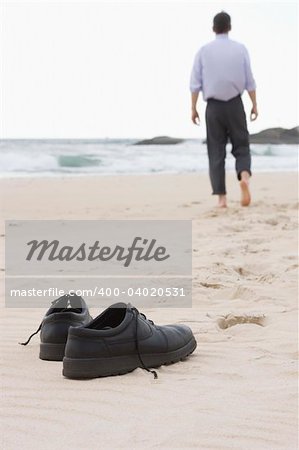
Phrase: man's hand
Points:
(253, 113)
(195, 117)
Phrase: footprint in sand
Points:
(242, 292)
(212, 285)
(236, 229)
(243, 272)
(292, 267)
(272, 222)
(267, 278)
(188, 205)
(216, 212)
(292, 257)
(231, 320)
(256, 241)
(290, 226)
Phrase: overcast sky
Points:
(122, 69)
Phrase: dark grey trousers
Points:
(226, 120)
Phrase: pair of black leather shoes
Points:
(116, 342)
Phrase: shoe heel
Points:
(98, 367)
(51, 352)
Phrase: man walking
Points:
(222, 71)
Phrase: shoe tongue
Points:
(67, 301)
(120, 305)
(60, 303)
(76, 302)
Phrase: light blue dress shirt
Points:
(221, 69)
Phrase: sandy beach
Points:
(237, 391)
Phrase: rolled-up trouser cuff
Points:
(243, 170)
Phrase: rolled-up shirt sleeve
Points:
(250, 84)
(196, 74)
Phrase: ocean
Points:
(77, 157)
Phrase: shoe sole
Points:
(119, 365)
(51, 352)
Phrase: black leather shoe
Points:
(66, 311)
(121, 339)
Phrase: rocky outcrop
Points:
(160, 140)
(268, 136)
(276, 136)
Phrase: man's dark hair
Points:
(221, 23)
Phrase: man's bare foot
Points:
(222, 201)
(245, 193)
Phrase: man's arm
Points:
(254, 112)
(195, 87)
(194, 114)
(250, 86)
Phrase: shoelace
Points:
(137, 313)
(33, 334)
(39, 328)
